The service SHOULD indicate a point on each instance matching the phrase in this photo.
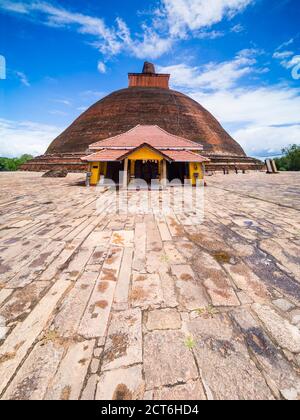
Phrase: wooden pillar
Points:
(125, 173)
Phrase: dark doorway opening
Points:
(113, 169)
(146, 170)
(177, 170)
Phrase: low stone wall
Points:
(233, 163)
(68, 162)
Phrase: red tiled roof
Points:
(109, 155)
(105, 155)
(185, 156)
(150, 134)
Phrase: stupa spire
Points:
(149, 78)
(148, 68)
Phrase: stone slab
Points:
(17, 344)
(123, 345)
(168, 370)
(163, 319)
(121, 384)
(69, 379)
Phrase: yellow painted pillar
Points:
(196, 172)
(95, 173)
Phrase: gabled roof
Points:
(150, 134)
(110, 155)
(141, 146)
(105, 155)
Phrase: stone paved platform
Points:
(145, 306)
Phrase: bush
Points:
(290, 161)
(13, 164)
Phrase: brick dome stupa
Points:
(148, 100)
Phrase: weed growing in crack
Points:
(190, 342)
(208, 312)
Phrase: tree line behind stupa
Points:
(13, 164)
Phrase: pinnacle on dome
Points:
(148, 68)
(149, 78)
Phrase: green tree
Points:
(290, 161)
(25, 158)
(13, 164)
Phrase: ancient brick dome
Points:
(122, 110)
(147, 101)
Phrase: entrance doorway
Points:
(177, 170)
(146, 170)
(113, 171)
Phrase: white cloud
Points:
(101, 67)
(288, 58)
(23, 78)
(260, 119)
(151, 45)
(92, 94)
(205, 34)
(18, 138)
(267, 140)
(169, 23)
(108, 40)
(184, 15)
(85, 25)
(288, 61)
(286, 44)
(212, 76)
(274, 105)
(47, 14)
(58, 112)
(237, 28)
(63, 102)
(251, 52)
(148, 44)
(82, 108)
(14, 6)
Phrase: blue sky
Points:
(238, 58)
